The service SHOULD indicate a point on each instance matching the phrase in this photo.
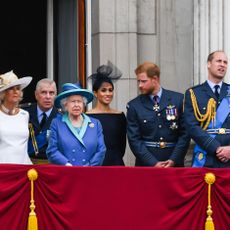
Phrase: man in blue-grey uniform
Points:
(155, 122)
(207, 118)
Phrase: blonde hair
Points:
(3, 94)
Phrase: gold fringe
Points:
(32, 220)
(33, 139)
(210, 114)
(209, 179)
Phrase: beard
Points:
(147, 91)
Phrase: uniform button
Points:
(161, 138)
(144, 121)
(204, 108)
(83, 150)
(73, 159)
(159, 126)
(83, 160)
(158, 114)
(73, 150)
(218, 102)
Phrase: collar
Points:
(86, 122)
(159, 94)
(211, 84)
(40, 112)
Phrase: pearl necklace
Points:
(8, 111)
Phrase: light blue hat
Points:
(69, 89)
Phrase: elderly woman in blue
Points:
(75, 139)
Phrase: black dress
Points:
(114, 130)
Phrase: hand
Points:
(160, 164)
(169, 163)
(223, 153)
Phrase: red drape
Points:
(113, 198)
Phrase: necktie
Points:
(43, 121)
(156, 100)
(156, 103)
(216, 91)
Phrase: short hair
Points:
(46, 81)
(211, 55)
(64, 101)
(149, 68)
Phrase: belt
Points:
(218, 131)
(160, 144)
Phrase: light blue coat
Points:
(66, 145)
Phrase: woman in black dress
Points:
(113, 121)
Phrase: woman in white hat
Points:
(75, 139)
(14, 131)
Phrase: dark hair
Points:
(105, 73)
(211, 55)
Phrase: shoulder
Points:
(198, 87)
(23, 112)
(29, 106)
(137, 100)
(171, 93)
(57, 119)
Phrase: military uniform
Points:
(157, 134)
(202, 137)
(41, 134)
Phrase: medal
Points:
(171, 112)
(156, 108)
(174, 126)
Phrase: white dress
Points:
(14, 134)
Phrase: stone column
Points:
(211, 32)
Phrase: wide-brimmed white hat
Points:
(9, 79)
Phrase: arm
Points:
(123, 135)
(200, 136)
(99, 155)
(135, 138)
(53, 152)
(181, 148)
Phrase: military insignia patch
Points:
(200, 156)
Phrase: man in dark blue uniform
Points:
(155, 126)
(207, 115)
(41, 115)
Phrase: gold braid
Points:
(210, 114)
(33, 139)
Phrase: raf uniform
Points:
(207, 138)
(41, 134)
(157, 133)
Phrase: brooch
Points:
(91, 125)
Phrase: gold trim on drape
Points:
(32, 220)
(209, 179)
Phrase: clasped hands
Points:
(164, 164)
(223, 153)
